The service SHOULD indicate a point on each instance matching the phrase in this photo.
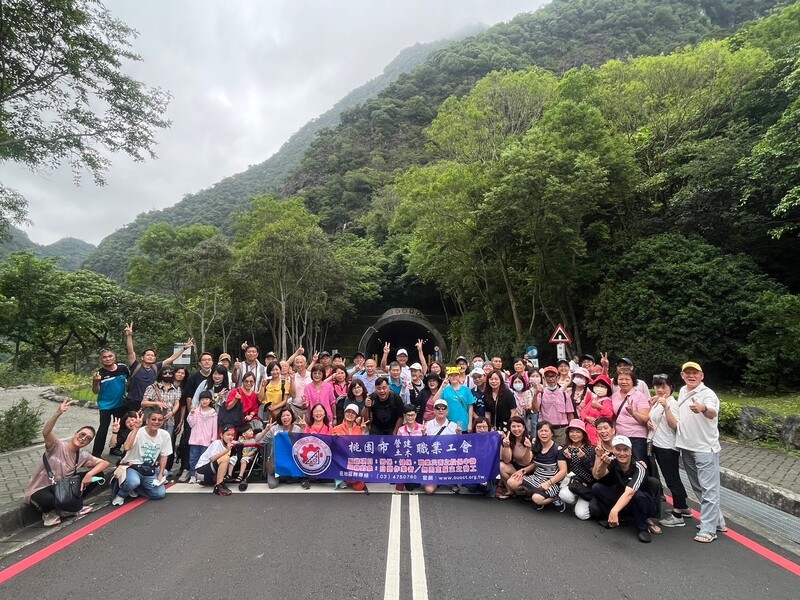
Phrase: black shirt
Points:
(385, 413)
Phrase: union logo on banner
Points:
(312, 455)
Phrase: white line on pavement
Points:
(419, 580)
(392, 581)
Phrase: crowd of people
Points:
(571, 436)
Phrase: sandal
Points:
(705, 537)
(505, 496)
(654, 527)
(722, 529)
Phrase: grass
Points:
(783, 405)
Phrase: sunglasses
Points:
(85, 436)
(439, 408)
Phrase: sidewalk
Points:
(767, 476)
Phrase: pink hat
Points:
(582, 372)
(576, 424)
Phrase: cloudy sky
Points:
(244, 76)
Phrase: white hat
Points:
(353, 407)
(416, 367)
(402, 351)
(440, 402)
(477, 372)
(621, 440)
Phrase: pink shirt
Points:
(204, 427)
(416, 429)
(555, 406)
(324, 396)
(626, 424)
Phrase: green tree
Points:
(64, 95)
(773, 345)
(670, 299)
(189, 265)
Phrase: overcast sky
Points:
(244, 76)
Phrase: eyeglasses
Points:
(439, 408)
(85, 436)
(156, 420)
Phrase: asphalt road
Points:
(317, 544)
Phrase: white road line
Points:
(419, 581)
(392, 582)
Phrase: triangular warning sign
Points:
(560, 336)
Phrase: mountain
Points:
(215, 205)
(69, 252)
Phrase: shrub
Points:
(19, 426)
(728, 415)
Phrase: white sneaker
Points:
(184, 476)
(118, 500)
(50, 519)
(192, 479)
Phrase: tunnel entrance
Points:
(402, 327)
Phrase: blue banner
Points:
(442, 459)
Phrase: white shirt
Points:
(696, 432)
(663, 436)
(432, 427)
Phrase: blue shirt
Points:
(113, 385)
(458, 403)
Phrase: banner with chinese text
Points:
(443, 459)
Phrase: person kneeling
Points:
(216, 462)
(622, 489)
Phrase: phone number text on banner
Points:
(443, 459)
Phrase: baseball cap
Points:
(440, 402)
(477, 373)
(407, 408)
(453, 370)
(549, 369)
(224, 356)
(621, 440)
(625, 361)
(416, 367)
(402, 351)
(691, 365)
(353, 407)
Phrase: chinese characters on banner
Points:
(444, 459)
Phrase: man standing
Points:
(383, 410)
(697, 437)
(144, 371)
(205, 363)
(370, 377)
(109, 383)
(251, 364)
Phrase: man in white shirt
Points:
(697, 436)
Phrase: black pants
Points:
(641, 507)
(102, 429)
(668, 462)
(45, 500)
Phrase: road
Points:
(295, 544)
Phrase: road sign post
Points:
(561, 338)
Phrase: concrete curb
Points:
(771, 495)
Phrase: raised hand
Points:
(365, 426)
(419, 345)
(387, 347)
(302, 422)
(245, 345)
(96, 376)
(604, 359)
(128, 331)
(64, 406)
(115, 424)
(527, 442)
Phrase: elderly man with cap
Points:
(555, 406)
(357, 369)
(350, 426)
(697, 437)
(478, 390)
(441, 425)
(623, 489)
(401, 356)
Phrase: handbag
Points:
(67, 490)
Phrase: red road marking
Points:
(754, 546)
(68, 540)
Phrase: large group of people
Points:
(571, 435)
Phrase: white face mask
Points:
(552, 388)
(478, 364)
(600, 391)
(518, 385)
(579, 381)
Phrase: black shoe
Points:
(306, 484)
(243, 486)
(645, 537)
(222, 490)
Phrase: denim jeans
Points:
(143, 484)
(195, 451)
(531, 420)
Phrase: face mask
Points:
(579, 381)
(518, 386)
(478, 364)
(600, 391)
(553, 387)
(167, 377)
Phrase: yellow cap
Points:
(691, 365)
(453, 370)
